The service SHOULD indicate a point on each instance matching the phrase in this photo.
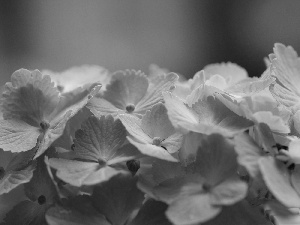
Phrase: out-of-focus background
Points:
(181, 35)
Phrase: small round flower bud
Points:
(133, 166)
(130, 108)
(42, 199)
(156, 141)
(44, 125)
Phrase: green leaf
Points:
(277, 179)
(117, 198)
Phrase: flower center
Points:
(101, 162)
(44, 125)
(130, 108)
(156, 141)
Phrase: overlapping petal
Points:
(207, 184)
(35, 113)
(207, 115)
(98, 147)
(154, 134)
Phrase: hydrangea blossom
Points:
(157, 149)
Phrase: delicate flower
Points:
(132, 93)
(208, 183)
(35, 113)
(98, 150)
(154, 134)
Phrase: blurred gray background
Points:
(181, 35)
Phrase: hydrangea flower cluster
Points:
(87, 146)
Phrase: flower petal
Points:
(229, 192)
(277, 179)
(193, 209)
(126, 87)
(134, 127)
(17, 136)
(286, 66)
(117, 198)
(30, 97)
(99, 139)
(154, 93)
(152, 150)
(173, 143)
(156, 123)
